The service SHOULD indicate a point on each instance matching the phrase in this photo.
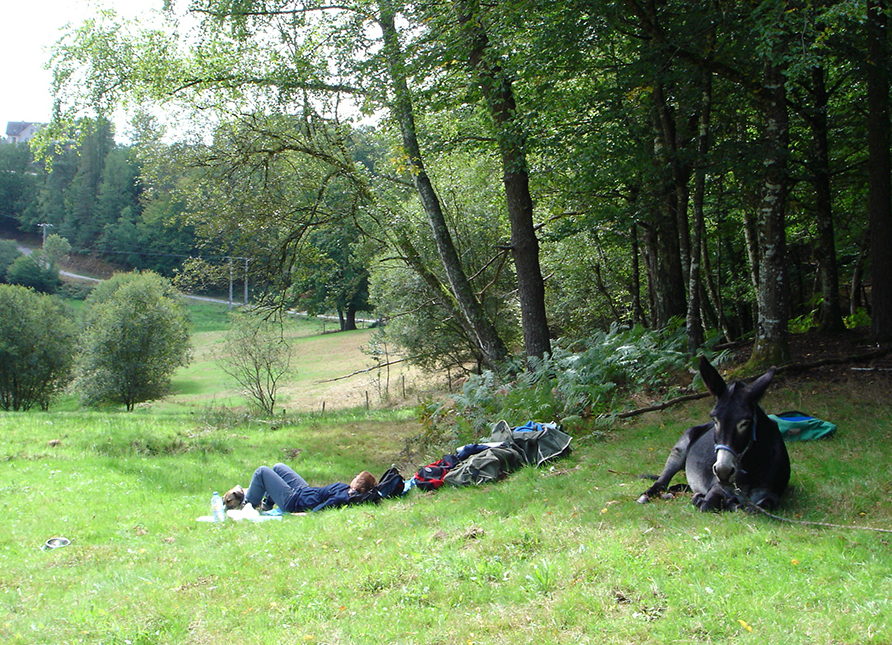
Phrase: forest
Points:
(490, 179)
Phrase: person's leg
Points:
(266, 481)
(291, 478)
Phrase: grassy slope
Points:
(318, 356)
(561, 554)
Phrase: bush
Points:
(255, 353)
(75, 290)
(588, 380)
(36, 347)
(9, 251)
(29, 271)
(136, 336)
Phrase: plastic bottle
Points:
(217, 507)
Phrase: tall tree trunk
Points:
(857, 286)
(663, 235)
(771, 347)
(694, 321)
(663, 265)
(831, 311)
(637, 310)
(349, 323)
(651, 269)
(473, 319)
(679, 173)
(499, 94)
(713, 286)
(879, 201)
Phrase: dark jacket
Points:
(315, 498)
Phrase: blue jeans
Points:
(279, 483)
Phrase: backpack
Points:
(391, 483)
(431, 477)
(490, 465)
(798, 426)
(369, 497)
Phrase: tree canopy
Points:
(37, 336)
(637, 162)
(136, 334)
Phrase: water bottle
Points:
(217, 507)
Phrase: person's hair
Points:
(363, 482)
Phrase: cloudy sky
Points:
(27, 32)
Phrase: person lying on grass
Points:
(281, 486)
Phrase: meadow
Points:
(558, 554)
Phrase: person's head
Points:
(363, 482)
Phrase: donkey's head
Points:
(735, 418)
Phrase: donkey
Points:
(737, 458)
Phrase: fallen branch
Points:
(663, 405)
(365, 371)
(858, 358)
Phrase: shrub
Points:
(36, 347)
(29, 271)
(9, 251)
(255, 353)
(136, 336)
(587, 380)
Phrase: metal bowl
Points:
(55, 543)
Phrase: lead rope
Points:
(753, 508)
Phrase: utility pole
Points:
(44, 227)
(230, 284)
(246, 280)
(232, 279)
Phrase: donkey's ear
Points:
(756, 389)
(713, 380)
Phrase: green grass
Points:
(556, 555)
(320, 356)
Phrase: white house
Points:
(21, 131)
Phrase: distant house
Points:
(21, 131)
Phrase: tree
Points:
(595, 119)
(31, 271)
(333, 275)
(37, 338)
(470, 312)
(18, 183)
(55, 250)
(880, 167)
(256, 354)
(136, 335)
(9, 251)
(498, 91)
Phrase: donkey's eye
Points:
(743, 426)
(715, 422)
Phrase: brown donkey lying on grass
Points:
(737, 458)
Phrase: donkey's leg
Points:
(715, 499)
(763, 498)
(676, 460)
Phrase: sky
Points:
(27, 32)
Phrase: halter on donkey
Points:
(738, 456)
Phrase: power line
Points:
(168, 255)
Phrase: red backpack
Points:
(431, 477)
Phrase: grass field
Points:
(556, 555)
(320, 357)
